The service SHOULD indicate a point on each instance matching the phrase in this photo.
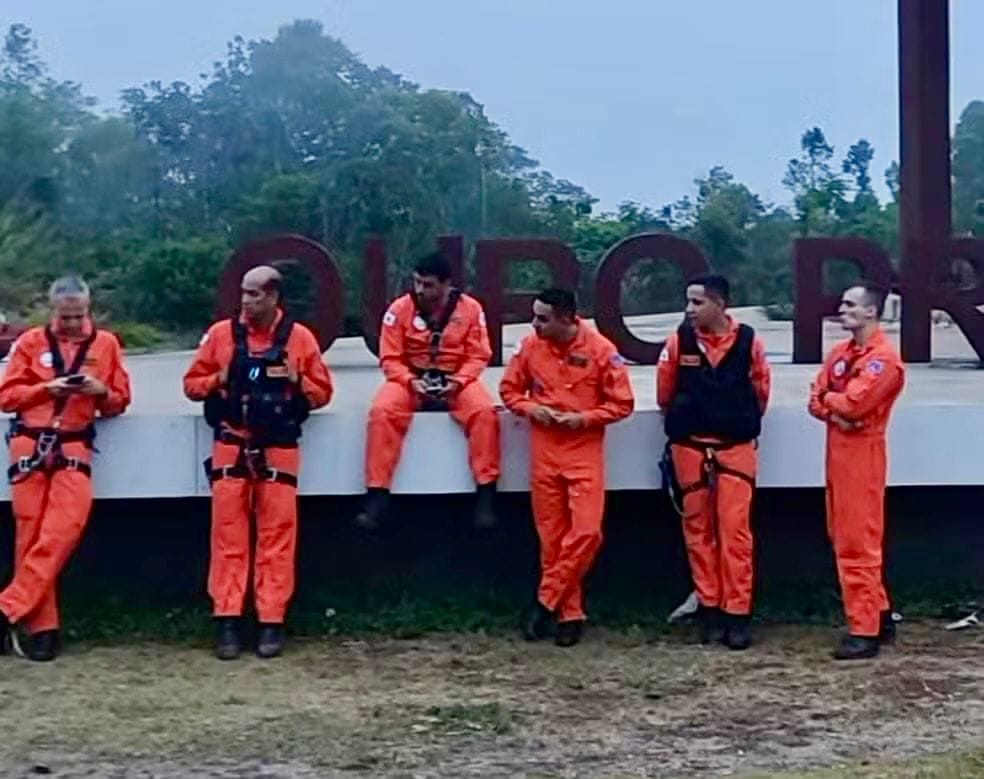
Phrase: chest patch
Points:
(689, 361)
(840, 368)
(47, 360)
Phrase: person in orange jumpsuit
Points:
(713, 383)
(59, 378)
(570, 381)
(433, 348)
(853, 394)
(259, 374)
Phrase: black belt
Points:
(712, 465)
(250, 463)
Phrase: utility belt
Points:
(435, 383)
(48, 456)
(250, 463)
(711, 467)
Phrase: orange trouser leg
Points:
(856, 521)
(474, 411)
(228, 569)
(276, 538)
(699, 527)
(733, 501)
(568, 510)
(56, 510)
(389, 419)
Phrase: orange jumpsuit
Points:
(860, 384)
(717, 525)
(404, 348)
(588, 376)
(233, 498)
(51, 509)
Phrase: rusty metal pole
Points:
(924, 143)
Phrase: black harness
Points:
(436, 379)
(262, 400)
(48, 456)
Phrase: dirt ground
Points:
(474, 705)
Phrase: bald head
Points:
(260, 290)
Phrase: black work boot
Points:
(227, 645)
(857, 648)
(888, 630)
(711, 622)
(537, 622)
(737, 631)
(373, 511)
(44, 646)
(569, 633)
(270, 642)
(485, 518)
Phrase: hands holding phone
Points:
(76, 384)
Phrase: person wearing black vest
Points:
(713, 388)
(260, 375)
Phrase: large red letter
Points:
(812, 303)
(492, 257)
(608, 286)
(329, 289)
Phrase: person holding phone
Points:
(60, 377)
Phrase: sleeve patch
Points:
(617, 360)
(389, 318)
(875, 367)
(481, 318)
(664, 355)
(205, 336)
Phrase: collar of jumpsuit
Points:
(878, 338)
(716, 345)
(262, 334)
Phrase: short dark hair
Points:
(875, 294)
(562, 301)
(433, 264)
(714, 285)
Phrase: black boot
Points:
(271, 640)
(888, 628)
(569, 633)
(537, 622)
(6, 641)
(738, 632)
(857, 648)
(373, 511)
(227, 646)
(485, 518)
(711, 622)
(44, 646)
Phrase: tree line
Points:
(298, 134)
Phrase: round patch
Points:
(419, 323)
(481, 319)
(389, 319)
(47, 360)
(204, 339)
(839, 368)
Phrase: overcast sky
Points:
(632, 99)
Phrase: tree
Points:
(968, 169)
(816, 188)
(857, 163)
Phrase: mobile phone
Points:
(76, 379)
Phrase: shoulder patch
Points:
(875, 367)
(617, 360)
(205, 337)
(481, 318)
(664, 354)
(389, 318)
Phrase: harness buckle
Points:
(25, 465)
(46, 443)
(72, 463)
(273, 474)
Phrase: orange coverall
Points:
(717, 525)
(860, 384)
(233, 498)
(587, 376)
(51, 509)
(464, 353)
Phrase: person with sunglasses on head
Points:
(433, 348)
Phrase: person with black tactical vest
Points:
(713, 384)
(59, 378)
(260, 375)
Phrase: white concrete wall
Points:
(149, 456)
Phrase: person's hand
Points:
(59, 387)
(572, 420)
(543, 415)
(293, 376)
(224, 377)
(419, 387)
(451, 388)
(845, 425)
(93, 386)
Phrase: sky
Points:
(632, 99)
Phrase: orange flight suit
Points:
(587, 376)
(717, 524)
(404, 350)
(51, 509)
(233, 498)
(860, 384)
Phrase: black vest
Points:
(714, 401)
(260, 397)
